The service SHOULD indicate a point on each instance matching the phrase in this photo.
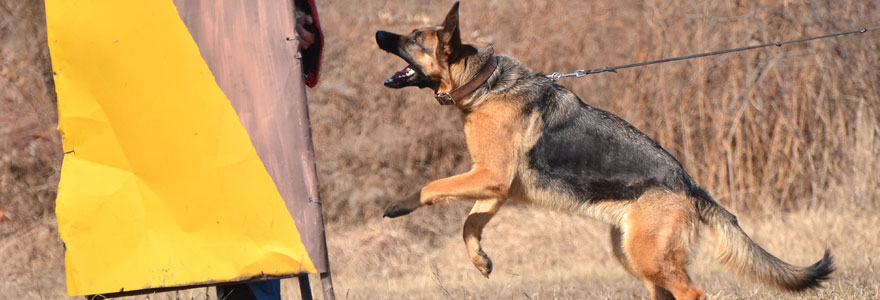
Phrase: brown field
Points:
(787, 138)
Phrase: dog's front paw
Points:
(396, 209)
(483, 263)
(402, 207)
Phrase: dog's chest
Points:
(493, 133)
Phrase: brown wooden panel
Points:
(251, 48)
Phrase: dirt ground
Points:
(788, 139)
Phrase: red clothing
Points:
(311, 57)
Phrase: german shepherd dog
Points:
(535, 141)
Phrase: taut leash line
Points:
(581, 73)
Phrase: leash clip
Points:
(444, 99)
(577, 73)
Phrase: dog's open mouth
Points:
(406, 77)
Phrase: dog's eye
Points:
(412, 39)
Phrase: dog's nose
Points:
(387, 41)
(381, 35)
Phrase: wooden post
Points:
(305, 290)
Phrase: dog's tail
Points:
(739, 253)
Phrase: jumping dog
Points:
(535, 141)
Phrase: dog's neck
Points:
(462, 71)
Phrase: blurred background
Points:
(786, 138)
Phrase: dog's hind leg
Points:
(617, 239)
(658, 292)
(618, 251)
(479, 216)
(657, 233)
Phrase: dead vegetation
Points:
(793, 129)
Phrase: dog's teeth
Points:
(410, 72)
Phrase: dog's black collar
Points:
(470, 86)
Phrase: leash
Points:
(581, 73)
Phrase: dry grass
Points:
(30, 153)
(553, 255)
(795, 129)
(538, 254)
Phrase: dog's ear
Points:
(450, 38)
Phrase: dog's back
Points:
(587, 152)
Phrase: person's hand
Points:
(306, 38)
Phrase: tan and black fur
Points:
(534, 141)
